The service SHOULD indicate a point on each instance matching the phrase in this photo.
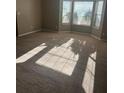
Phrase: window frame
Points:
(95, 15)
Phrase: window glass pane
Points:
(82, 13)
(66, 12)
(98, 20)
(99, 7)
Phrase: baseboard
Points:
(29, 33)
(95, 37)
(77, 32)
(48, 30)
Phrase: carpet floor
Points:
(61, 62)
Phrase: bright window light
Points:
(98, 14)
(66, 12)
(82, 13)
(93, 55)
(84, 43)
(30, 54)
(88, 81)
(61, 59)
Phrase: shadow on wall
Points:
(67, 66)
